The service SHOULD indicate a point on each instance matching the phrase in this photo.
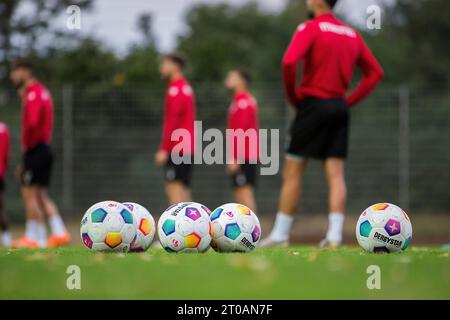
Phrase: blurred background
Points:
(109, 98)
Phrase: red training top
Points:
(5, 146)
(243, 115)
(37, 116)
(179, 113)
(329, 50)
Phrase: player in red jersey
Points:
(179, 113)
(35, 170)
(329, 52)
(243, 115)
(5, 145)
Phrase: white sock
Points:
(335, 226)
(57, 225)
(42, 235)
(6, 239)
(31, 230)
(282, 227)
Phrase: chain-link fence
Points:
(105, 138)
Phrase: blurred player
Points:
(35, 170)
(179, 113)
(243, 114)
(5, 145)
(329, 51)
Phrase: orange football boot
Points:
(59, 241)
(25, 243)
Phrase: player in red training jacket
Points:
(5, 145)
(243, 120)
(179, 118)
(35, 170)
(329, 51)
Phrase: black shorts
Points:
(2, 185)
(178, 172)
(320, 130)
(37, 164)
(246, 176)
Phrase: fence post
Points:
(67, 148)
(404, 147)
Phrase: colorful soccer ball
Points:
(185, 227)
(384, 227)
(108, 226)
(236, 228)
(145, 227)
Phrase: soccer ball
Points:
(185, 227)
(108, 226)
(384, 227)
(145, 227)
(236, 228)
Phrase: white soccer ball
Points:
(185, 227)
(236, 228)
(384, 227)
(145, 227)
(108, 226)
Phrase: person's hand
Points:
(233, 168)
(161, 158)
(19, 172)
(297, 100)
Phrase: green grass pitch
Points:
(292, 273)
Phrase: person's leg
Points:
(177, 192)
(47, 203)
(6, 235)
(245, 195)
(288, 202)
(35, 230)
(244, 182)
(51, 210)
(337, 198)
(291, 188)
(178, 178)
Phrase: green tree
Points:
(89, 62)
(222, 36)
(140, 65)
(412, 44)
(427, 26)
(28, 26)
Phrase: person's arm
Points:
(3, 154)
(251, 117)
(241, 117)
(31, 112)
(298, 48)
(244, 118)
(253, 123)
(172, 109)
(372, 73)
(33, 102)
(237, 120)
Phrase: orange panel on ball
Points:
(243, 210)
(192, 240)
(380, 207)
(113, 239)
(145, 226)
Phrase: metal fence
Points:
(105, 139)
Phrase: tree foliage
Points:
(222, 36)
(411, 46)
(22, 30)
